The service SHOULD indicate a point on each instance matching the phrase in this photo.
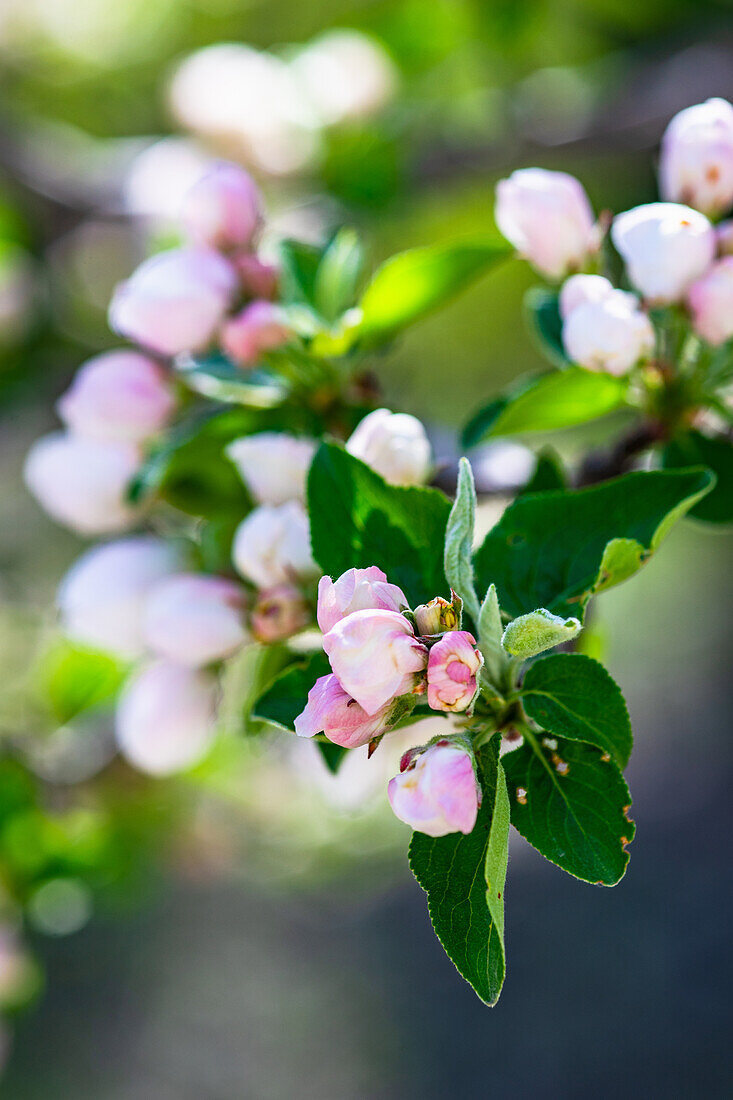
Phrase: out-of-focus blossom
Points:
(166, 717)
(273, 465)
(376, 657)
(356, 590)
(223, 209)
(437, 792)
(194, 619)
(257, 328)
(711, 302)
(608, 335)
(279, 613)
(666, 247)
(453, 664)
(346, 75)
(159, 177)
(579, 290)
(81, 482)
(696, 164)
(117, 396)
(102, 597)
(724, 237)
(17, 293)
(332, 711)
(393, 444)
(272, 546)
(174, 301)
(503, 464)
(548, 219)
(259, 279)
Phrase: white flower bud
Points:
(696, 164)
(118, 396)
(273, 465)
(394, 445)
(82, 483)
(578, 290)
(666, 247)
(608, 335)
(194, 619)
(272, 546)
(166, 718)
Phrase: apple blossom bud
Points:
(436, 617)
(438, 792)
(259, 279)
(394, 445)
(273, 465)
(696, 163)
(82, 483)
(118, 396)
(533, 633)
(258, 328)
(579, 290)
(279, 613)
(272, 546)
(609, 335)
(102, 597)
(166, 718)
(548, 219)
(223, 209)
(376, 656)
(194, 619)
(356, 590)
(711, 302)
(175, 301)
(453, 664)
(665, 246)
(332, 711)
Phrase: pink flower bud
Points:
(82, 483)
(273, 465)
(332, 711)
(548, 219)
(279, 613)
(258, 328)
(609, 335)
(356, 590)
(175, 301)
(101, 598)
(711, 302)
(120, 395)
(376, 657)
(259, 279)
(223, 209)
(665, 246)
(272, 546)
(194, 619)
(696, 163)
(452, 667)
(438, 793)
(394, 445)
(166, 718)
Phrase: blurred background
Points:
(251, 929)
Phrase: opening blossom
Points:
(437, 791)
(453, 664)
(356, 590)
(666, 247)
(118, 396)
(332, 711)
(395, 445)
(696, 164)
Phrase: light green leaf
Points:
(463, 877)
(458, 561)
(575, 697)
(490, 630)
(338, 275)
(538, 630)
(73, 678)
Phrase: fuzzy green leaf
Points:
(458, 559)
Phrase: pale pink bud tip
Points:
(332, 711)
(272, 546)
(279, 613)
(452, 667)
(356, 590)
(258, 328)
(711, 302)
(223, 209)
(395, 445)
(696, 164)
(194, 619)
(259, 279)
(118, 396)
(438, 792)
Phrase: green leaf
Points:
(542, 311)
(287, 695)
(245, 678)
(557, 549)
(358, 520)
(538, 630)
(695, 449)
(548, 474)
(299, 263)
(464, 877)
(569, 800)
(332, 755)
(490, 630)
(338, 275)
(458, 560)
(560, 399)
(412, 284)
(74, 679)
(218, 378)
(575, 697)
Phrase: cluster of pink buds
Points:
(383, 657)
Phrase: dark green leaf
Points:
(358, 520)
(338, 274)
(542, 310)
(556, 549)
(548, 474)
(464, 877)
(569, 800)
(332, 755)
(299, 263)
(695, 449)
(246, 679)
(286, 696)
(575, 697)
